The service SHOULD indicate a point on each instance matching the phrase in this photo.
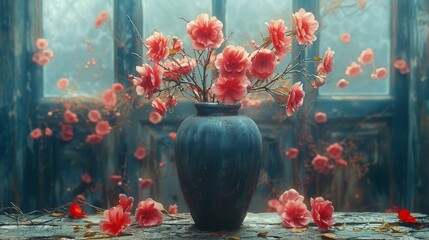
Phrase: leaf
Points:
(357, 229)
(262, 234)
(383, 228)
(234, 237)
(280, 97)
(342, 227)
(317, 58)
(89, 233)
(397, 230)
(216, 234)
(88, 224)
(77, 228)
(172, 52)
(267, 39)
(57, 214)
(298, 230)
(329, 236)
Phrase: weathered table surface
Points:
(357, 226)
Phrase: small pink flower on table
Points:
(322, 212)
(295, 99)
(306, 26)
(320, 117)
(126, 203)
(293, 210)
(149, 213)
(282, 43)
(292, 153)
(117, 221)
(172, 209)
(205, 32)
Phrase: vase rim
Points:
(216, 109)
(217, 105)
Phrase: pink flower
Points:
(117, 221)
(70, 117)
(205, 32)
(157, 47)
(179, 67)
(380, 74)
(94, 116)
(282, 44)
(296, 98)
(322, 212)
(102, 128)
(320, 117)
(80, 197)
(341, 162)
(334, 151)
(361, 3)
(86, 178)
(345, 38)
(109, 98)
(273, 204)
(145, 183)
(306, 26)
(36, 133)
(148, 213)
(48, 53)
(155, 117)
(328, 61)
(41, 43)
(48, 132)
(230, 90)
(126, 202)
(117, 87)
(172, 209)
(140, 153)
(159, 106)
(176, 44)
(296, 214)
(353, 70)
(149, 81)
(93, 139)
(263, 63)
(366, 57)
(233, 62)
(320, 163)
(63, 83)
(292, 153)
(320, 80)
(66, 132)
(291, 195)
(115, 178)
(161, 164)
(172, 136)
(402, 66)
(170, 101)
(342, 83)
(101, 18)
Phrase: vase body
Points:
(218, 155)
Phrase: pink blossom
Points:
(115, 178)
(402, 66)
(43, 61)
(342, 83)
(155, 117)
(41, 43)
(320, 117)
(291, 195)
(170, 101)
(66, 132)
(126, 202)
(161, 164)
(319, 163)
(62, 83)
(334, 151)
(322, 212)
(172, 136)
(157, 47)
(176, 44)
(117, 87)
(361, 3)
(102, 128)
(172, 209)
(306, 26)
(80, 197)
(380, 74)
(48, 53)
(229, 90)
(117, 221)
(145, 183)
(296, 98)
(140, 153)
(148, 213)
(328, 61)
(205, 32)
(86, 178)
(70, 117)
(282, 44)
(109, 98)
(159, 106)
(274, 204)
(36, 57)
(319, 81)
(93, 139)
(345, 38)
(263, 63)
(341, 162)
(233, 62)
(149, 81)
(292, 153)
(296, 214)
(101, 18)
(94, 116)
(178, 67)
(48, 132)
(36, 133)
(353, 70)
(366, 57)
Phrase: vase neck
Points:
(215, 109)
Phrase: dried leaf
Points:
(234, 237)
(262, 234)
(357, 229)
(267, 39)
(329, 236)
(342, 227)
(89, 233)
(77, 228)
(317, 58)
(216, 234)
(280, 97)
(383, 228)
(172, 52)
(88, 224)
(57, 214)
(397, 230)
(298, 230)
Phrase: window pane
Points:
(369, 28)
(69, 26)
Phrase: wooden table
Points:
(357, 226)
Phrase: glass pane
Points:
(369, 28)
(82, 52)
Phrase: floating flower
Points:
(263, 63)
(102, 128)
(345, 38)
(70, 117)
(229, 90)
(126, 203)
(205, 32)
(117, 87)
(155, 117)
(48, 132)
(380, 74)
(159, 106)
(41, 43)
(342, 83)
(306, 26)
(328, 61)
(93, 139)
(117, 221)
(140, 153)
(94, 116)
(233, 62)
(157, 47)
(353, 70)
(282, 43)
(62, 83)
(101, 18)
(109, 99)
(404, 215)
(334, 151)
(322, 212)
(292, 153)
(148, 213)
(172, 209)
(320, 117)
(76, 211)
(366, 57)
(295, 99)
(149, 81)
(36, 133)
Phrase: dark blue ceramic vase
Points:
(218, 155)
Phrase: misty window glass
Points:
(82, 52)
(369, 28)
